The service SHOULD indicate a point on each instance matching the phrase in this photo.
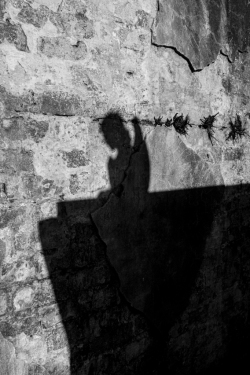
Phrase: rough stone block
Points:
(74, 24)
(2, 251)
(3, 303)
(9, 364)
(36, 369)
(24, 271)
(61, 48)
(134, 349)
(36, 129)
(75, 158)
(13, 34)
(23, 298)
(30, 347)
(74, 185)
(36, 17)
(60, 104)
(2, 8)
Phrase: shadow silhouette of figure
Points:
(155, 242)
(118, 138)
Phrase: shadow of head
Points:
(114, 131)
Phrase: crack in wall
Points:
(42, 113)
(177, 52)
(228, 57)
(184, 30)
(187, 59)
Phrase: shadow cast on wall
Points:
(135, 253)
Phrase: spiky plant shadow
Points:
(158, 121)
(237, 130)
(181, 124)
(207, 123)
(168, 122)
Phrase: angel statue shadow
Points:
(152, 241)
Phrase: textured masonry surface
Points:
(124, 247)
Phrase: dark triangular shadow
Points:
(150, 246)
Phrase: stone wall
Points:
(123, 244)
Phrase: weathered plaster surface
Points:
(65, 189)
(200, 30)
